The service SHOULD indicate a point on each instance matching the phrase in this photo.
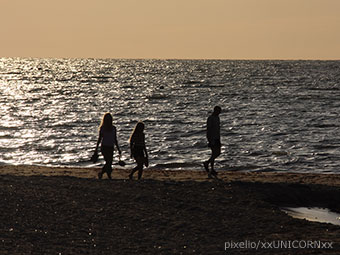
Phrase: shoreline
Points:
(52, 210)
(328, 179)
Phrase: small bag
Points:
(121, 162)
(146, 161)
(94, 157)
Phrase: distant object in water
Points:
(314, 214)
(157, 95)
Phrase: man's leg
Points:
(215, 152)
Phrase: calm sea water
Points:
(277, 115)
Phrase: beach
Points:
(63, 210)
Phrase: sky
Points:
(171, 29)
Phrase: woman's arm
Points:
(146, 152)
(116, 143)
(100, 137)
(119, 151)
(146, 156)
(131, 146)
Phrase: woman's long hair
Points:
(106, 123)
(139, 128)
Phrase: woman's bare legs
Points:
(107, 168)
(139, 168)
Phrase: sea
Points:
(277, 116)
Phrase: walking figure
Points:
(108, 139)
(214, 139)
(138, 150)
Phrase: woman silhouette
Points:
(138, 150)
(108, 139)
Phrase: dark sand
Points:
(68, 211)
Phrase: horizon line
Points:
(204, 59)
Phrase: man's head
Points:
(217, 110)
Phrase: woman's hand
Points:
(146, 161)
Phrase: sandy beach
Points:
(53, 210)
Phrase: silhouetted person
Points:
(214, 139)
(138, 150)
(108, 139)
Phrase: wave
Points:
(176, 165)
(242, 168)
(193, 82)
(265, 124)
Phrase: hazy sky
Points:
(221, 29)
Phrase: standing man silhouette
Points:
(214, 139)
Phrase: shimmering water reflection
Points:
(278, 115)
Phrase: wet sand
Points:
(47, 210)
